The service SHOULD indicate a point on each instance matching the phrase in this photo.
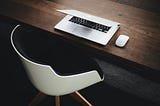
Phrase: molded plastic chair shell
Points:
(46, 80)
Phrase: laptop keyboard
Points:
(90, 24)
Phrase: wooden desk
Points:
(143, 27)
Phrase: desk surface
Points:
(143, 27)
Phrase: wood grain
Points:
(143, 27)
(150, 5)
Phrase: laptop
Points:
(87, 26)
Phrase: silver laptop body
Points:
(87, 26)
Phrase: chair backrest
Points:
(42, 76)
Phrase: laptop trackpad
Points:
(82, 31)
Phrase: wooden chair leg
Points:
(57, 100)
(76, 95)
(37, 99)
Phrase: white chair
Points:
(47, 80)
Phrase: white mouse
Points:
(121, 40)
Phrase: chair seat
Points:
(68, 60)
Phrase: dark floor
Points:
(18, 91)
